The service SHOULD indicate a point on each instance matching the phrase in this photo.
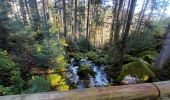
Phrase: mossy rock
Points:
(148, 56)
(84, 71)
(140, 69)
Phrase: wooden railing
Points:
(122, 92)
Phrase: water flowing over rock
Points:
(97, 80)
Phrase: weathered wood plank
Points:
(164, 88)
(123, 92)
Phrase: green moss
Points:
(84, 71)
(145, 53)
(148, 56)
(140, 69)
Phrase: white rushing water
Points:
(98, 80)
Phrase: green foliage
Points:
(58, 82)
(10, 73)
(5, 90)
(140, 69)
(84, 71)
(39, 84)
(129, 58)
(51, 53)
(137, 44)
(148, 56)
(83, 44)
(97, 57)
(6, 62)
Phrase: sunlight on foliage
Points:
(54, 79)
(58, 82)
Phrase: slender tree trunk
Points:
(75, 19)
(64, 18)
(152, 9)
(87, 23)
(141, 17)
(126, 33)
(23, 11)
(34, 14)
(114, 11)
(127, 12)
(118, 21)
(165, 52)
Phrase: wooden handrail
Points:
(122, 92)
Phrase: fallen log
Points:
(122, 92)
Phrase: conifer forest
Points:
(61, 45)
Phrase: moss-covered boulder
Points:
(84, 71)
(140, 69)
(148, 56)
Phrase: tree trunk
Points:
(23, 11)
(64, 18)
(87, 23)
(126, 33)
(114, 11)
(75, 19)
(34, 14)
(165, 52)
(141, 17)
(118, 21)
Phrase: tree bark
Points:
(23, 11)
(75, 19)
(165, 52)
(126, 33)
(118, 21)
(64, 18)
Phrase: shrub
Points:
(58, 82)
(10, 73)
(137, 44)
(128, 59)
(140, 69)
(51, 54)
(84, 44)
(5, 90)
(39, 84)
(148, 56)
